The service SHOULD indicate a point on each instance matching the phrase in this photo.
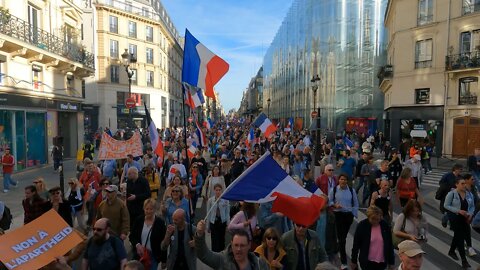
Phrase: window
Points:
(471, 6)
(149, 33)
(33, 20)
(132, 49)
(114, 48)
(132, 29)
(69, 34)
(470, 41)
(149, 56)
(468, 91)
(425, 12)
(423, 53)
(83, 88)
(113, 24)
(422, 96)
(149, 78)
(114, 74)
(128, 7)
(145, 12)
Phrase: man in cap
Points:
(116, 211)
(411, 255)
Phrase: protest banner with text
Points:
(116, 149)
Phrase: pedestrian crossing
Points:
(431, 179)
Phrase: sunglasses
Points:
(71, 183)
(98, 229)
(175, 191)
(301, 226)
(105, 184)
(330, 170)
(272, 238)
(36, 182)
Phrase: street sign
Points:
(314, 114)
(130, 103)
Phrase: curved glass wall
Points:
(344, 42)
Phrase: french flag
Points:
(192, 150)
(250, 138)
(348, 142)
(155, 140)
(265, 125)
(288, 128)
(202, 139)
(193, 95)
(289, 198)
(208, 124)
(201, 67)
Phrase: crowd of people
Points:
(141, 212)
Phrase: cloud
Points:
(238, 31)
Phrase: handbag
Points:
(397, 240)
(146, 259)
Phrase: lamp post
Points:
(317, 150)
(129, 58)
(268, 106)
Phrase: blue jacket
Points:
(452, 202)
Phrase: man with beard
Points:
(104, 251)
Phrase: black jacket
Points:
(156, 237)
(141, 190)
(361, 242)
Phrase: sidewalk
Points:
(13, 199)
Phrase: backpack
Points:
(351, 192)
(6, 220)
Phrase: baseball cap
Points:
(112, 188)
(410, 248)
(224, 156)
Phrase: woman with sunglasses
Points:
(271, 249)
(175, 202)
(74, 197)
(42, 189)
(176, 182)
(60, 205)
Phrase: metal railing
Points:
(423, 64)
(385, 72)
(468, 100)
(462, 61)
(424, 19)
(17, 28)
(471, 8)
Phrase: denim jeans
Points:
(322, 228)
(7, 181)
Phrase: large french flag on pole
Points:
(264, 124)
(155, 140)
(201, 67)
(202, 139)
(266, 181)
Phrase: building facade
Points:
(144, 30)
(343, 42)
(43, 66)
(430, 81)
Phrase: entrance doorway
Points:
(67, 128)
(466, 136)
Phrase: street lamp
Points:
(268, 106)
(317, 153)
(129, 58)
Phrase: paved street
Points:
(436, 248)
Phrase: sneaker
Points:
(344, 267)
(14, 185)
(5, 191)
(471, 252)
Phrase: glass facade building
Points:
(344, 43)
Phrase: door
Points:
(466, 136)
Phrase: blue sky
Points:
(238, 31)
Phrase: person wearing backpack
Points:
(5, 217)
(343, 199)
(104, 251)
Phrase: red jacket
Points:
(87, 179)
(322, 183)
(7, 162)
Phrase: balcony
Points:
(464, 60)
(41, 41)
(468, 100)
(385, 73)
(470, 8)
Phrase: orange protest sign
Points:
(37, 243)
(115, 149)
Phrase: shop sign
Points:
(418, 133)
(419, 127)
(68, 106)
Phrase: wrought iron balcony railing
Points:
(468, 100)
(17, 28)
(471, 8)
(463, 61)
(385, 72)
